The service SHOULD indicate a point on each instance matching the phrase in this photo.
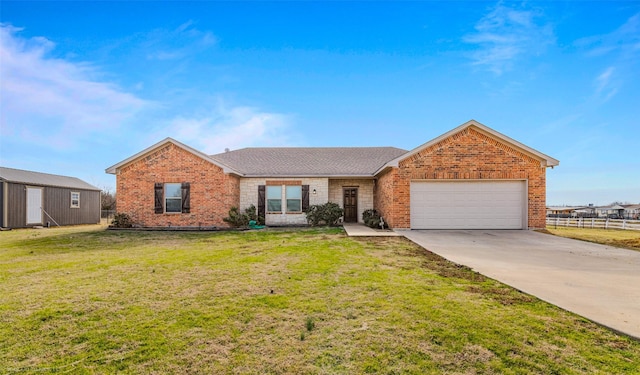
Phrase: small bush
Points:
(328, 214)
(241, 219)
(122, 220)
(252, 214)
(372, 219)
(236, 218)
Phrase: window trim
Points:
(77, 205)
(287, 199)
(267, 199)
(178, 198)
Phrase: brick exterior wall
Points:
(213, 192)
(466, 155)
(365, 193)
(384, 197)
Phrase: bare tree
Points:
(619, 203)
(107, 199)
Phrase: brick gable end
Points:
(466, 155)
(213, 192)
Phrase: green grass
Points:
(84, 300)
(629, 239)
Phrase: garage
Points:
(468, 204)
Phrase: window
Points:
(270, 197)
(75, 199)
(173, 197)
(274, 198)
(294, 198)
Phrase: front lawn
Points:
(629, 239)
(85, 300)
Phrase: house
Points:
(572, 211)
(470, 177)
(563, 211)
(35, 199)
(632, 211)
(613, 211)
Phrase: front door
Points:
(350, 205)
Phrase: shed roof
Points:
(43, 179)
(309, 161)
(565, 208)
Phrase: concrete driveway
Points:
(601, 283)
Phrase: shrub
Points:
(236, 218)
(122, 220)
(328, 213)
(252, 214)
(241, 219)
(372, 219)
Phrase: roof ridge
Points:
(28, 171)
(327, 161)
(45, 179)
(311, 148)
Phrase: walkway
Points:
(361, 230)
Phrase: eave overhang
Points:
(114, 168)
(545, 160)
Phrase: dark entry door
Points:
(350, 205)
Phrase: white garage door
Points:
(468, 205)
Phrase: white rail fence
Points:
(586, 222)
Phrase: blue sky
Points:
(84, 85)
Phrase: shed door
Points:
(468, 205)
(34, 206)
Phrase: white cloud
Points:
(60, 104)
(182, 42)
(506, 34)
(625, 39)
(52, 101)
(231, 127)
(605, 86)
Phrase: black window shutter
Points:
(186, 197)
(158, 197)
(261, 201)
(305, 197)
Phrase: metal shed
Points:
(31, 199)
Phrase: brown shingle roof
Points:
(308, 161)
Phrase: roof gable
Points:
(328, 161)
(44, 179)
(114, 168)
(545, 160)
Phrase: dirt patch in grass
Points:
(446, 268)
(633, 243)
(501, 293)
